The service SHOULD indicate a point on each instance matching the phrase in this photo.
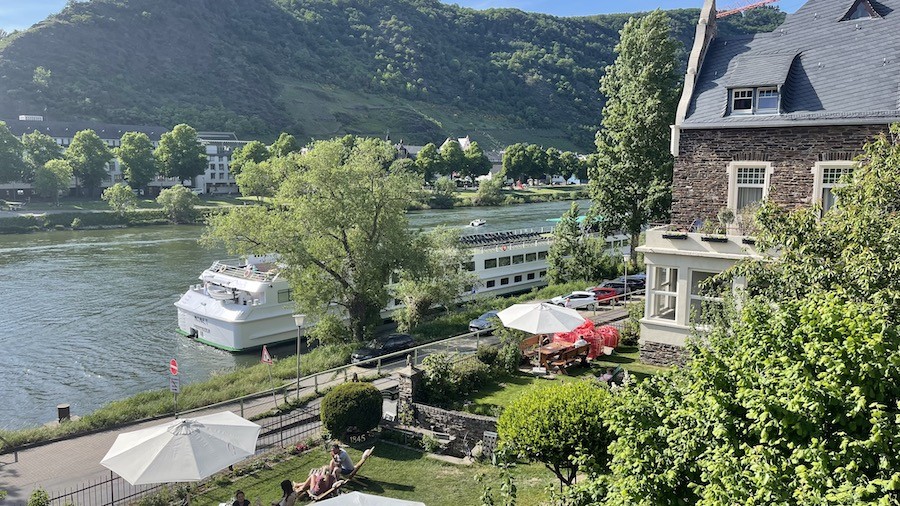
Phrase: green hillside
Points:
(419, 69)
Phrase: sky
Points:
(20, 14)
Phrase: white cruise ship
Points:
(242, 304)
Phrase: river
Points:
(88, 317)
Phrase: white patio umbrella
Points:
(182, 450)
(540, 318)
(360, 499)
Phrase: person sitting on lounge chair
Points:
(319, 481)
(607, 376)
(340, 460)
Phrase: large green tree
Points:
(253, 151)
(180, 154)
(40, 148)
(453, 156)
(120, 198)
(179, 203)
(11, 163)
(430, 162)
(477, 163)
(284, 145)
(135, 152)
(53, 177)
(792, 395)
(89, 156)
(339, 225)
(630, 184)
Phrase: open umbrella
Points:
(360, 499)
(540, 318)
(182, 450)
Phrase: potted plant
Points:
(714, 230)
(746, 223)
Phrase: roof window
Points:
(742, 101)
(763, 100)
(861, 9)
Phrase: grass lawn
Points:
(395, 472)
(503, 390)
(100, 205)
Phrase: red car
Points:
(604, 293)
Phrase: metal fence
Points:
(113, 490)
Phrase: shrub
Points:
(487, 354)
(437, 386)
(631, 330)
(509, 357)
(351, 406)
(330, 330)
(39, 497)
(468, 375)
(430, 443)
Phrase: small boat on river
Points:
(477, 223)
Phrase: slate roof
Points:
(832, 71)
(68, 129)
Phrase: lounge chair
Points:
(340, 483)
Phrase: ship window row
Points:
(285, 296)
(491, 283)
(491, 263)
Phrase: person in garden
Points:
(240, 499)
(340, 460)
(288, 496)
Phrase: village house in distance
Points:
(776, 116)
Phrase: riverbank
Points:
(245, 381)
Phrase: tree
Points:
(120, 198)
(539, 163)
(477, 163)
(253, 151)
(444, 194)
(490, 192)
(568, 249)
(257, 180)
(554, 162)
(339, 225)
(453, 156)
(89, 156)
(791, 396)
(571, 164)
(39, 148)
(430, 162)
(53, 177)
(437, 279)
(351, 407)
(630, 184)
(180, 154)
(135, 153)
(285, 145)
(178, 202)
(559, 425)
(11, 163)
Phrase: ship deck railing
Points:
(236, 269)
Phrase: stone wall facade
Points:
(700, 183)
(466, 428)
(654, 353)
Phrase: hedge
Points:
(349, 406)
(101, 219)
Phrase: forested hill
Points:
(419, 69)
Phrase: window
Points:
(530, 275)
(285, 296)
(490, 263)
(212, 175)
(543, 274)
(767, 100)
(518, 259)
(749, 183)
(704, 292)
(504, 261)
(530, 257)
(469, 266)
(490, 283)
(742, 101)
(827, 176)
(212, 166)
(517, 279)
(504, 281)
(663, 292)
(542, 255)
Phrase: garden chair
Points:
(335, 489)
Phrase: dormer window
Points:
(767, 100)
(861, 9)
(742, 101)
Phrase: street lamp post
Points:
(625, 258)
(299, 320)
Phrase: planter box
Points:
(679, 236)
(714, 238)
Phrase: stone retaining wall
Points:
(662, 354)
(466, 428)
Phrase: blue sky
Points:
(19, 14)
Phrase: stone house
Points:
(777, 116)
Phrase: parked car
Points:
(619, 285)
(604, 294)
(638, 280)
(575, 300)
(197, 191)
(483, 322)
(381, 346)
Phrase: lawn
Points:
(392, 471)
(503, 390)
(100, 205)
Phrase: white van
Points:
(197, 191)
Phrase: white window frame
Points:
(732, 171)
(652, 292)
(702, 298)
(771, 110)
(734, 93)
(819, 184)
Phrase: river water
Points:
(88, 318)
